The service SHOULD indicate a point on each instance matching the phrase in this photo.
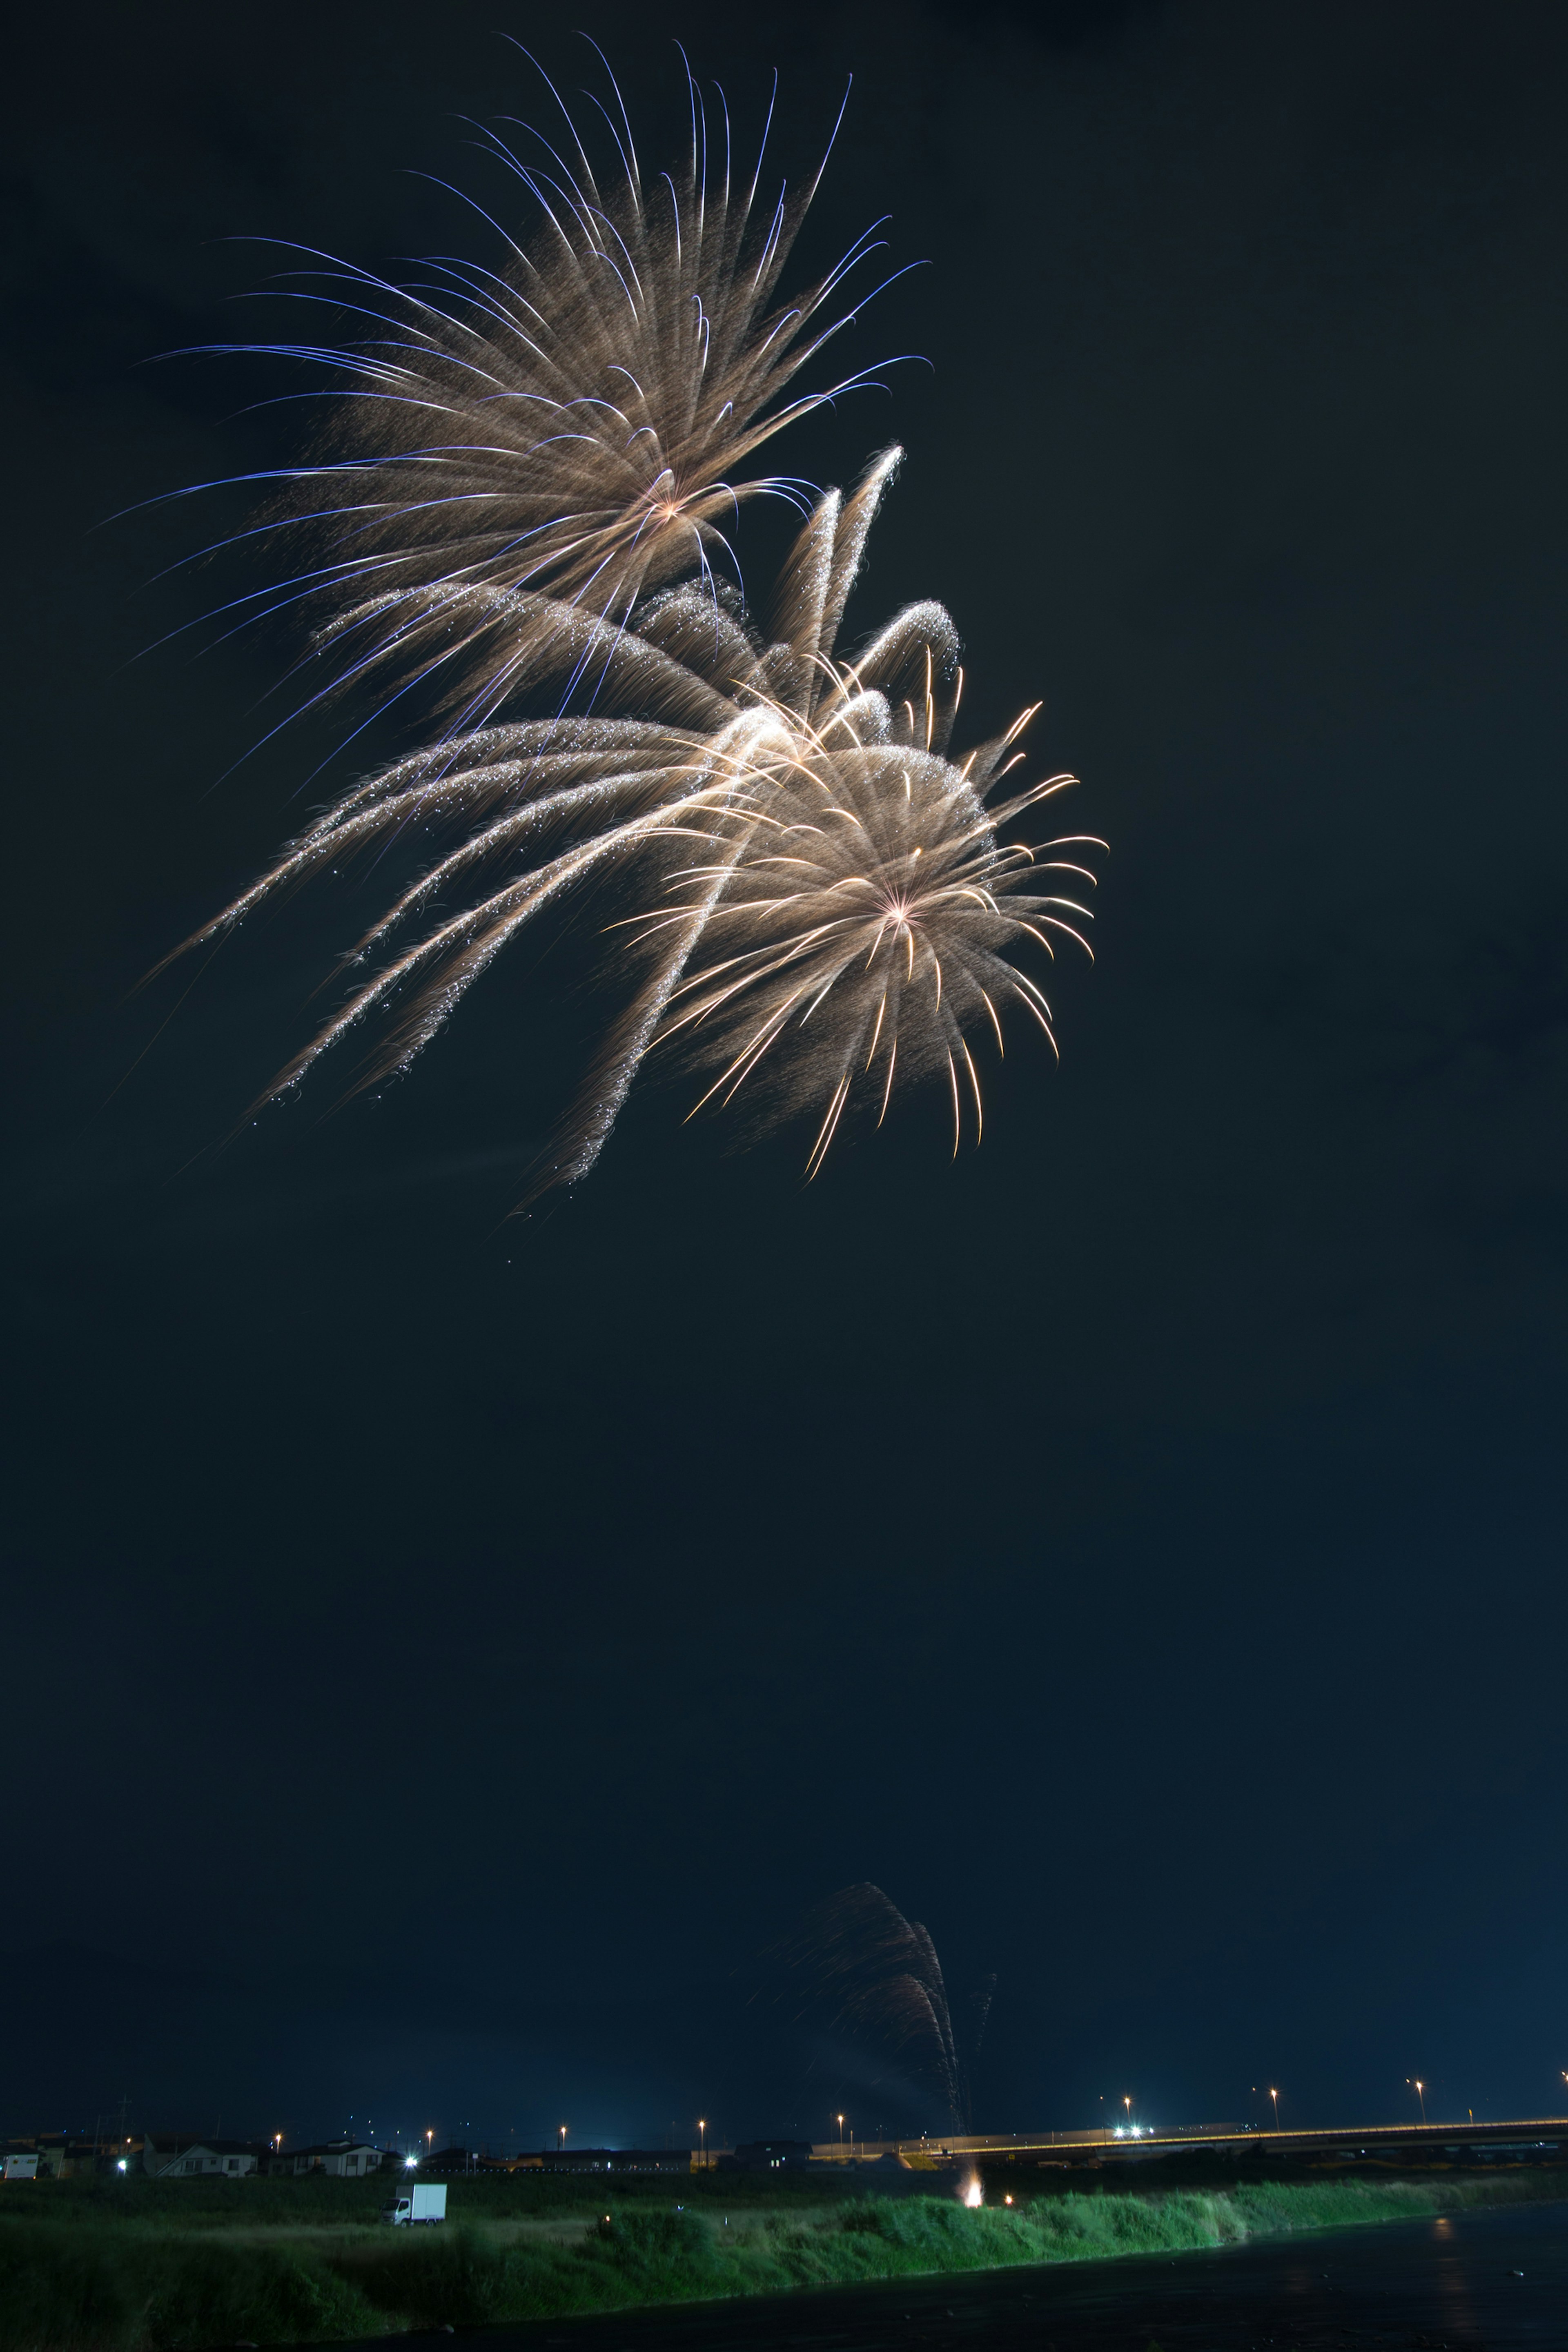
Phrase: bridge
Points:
(1536, 2138)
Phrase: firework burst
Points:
(858, 1966)
(868, 908)
(510, 455)
(813, 871)
(822, 902)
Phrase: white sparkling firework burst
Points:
(823, 908)
(508, 454)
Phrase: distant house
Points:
(768, 2156)
(338, 2159)
(198, 2159)
(615, 2159)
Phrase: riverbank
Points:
(98, 2276)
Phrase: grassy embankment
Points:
(139, 2266)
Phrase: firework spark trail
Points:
(823, 909)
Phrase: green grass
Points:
(146, 2267)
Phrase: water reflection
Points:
(1460, 2318)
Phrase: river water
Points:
(1488, 2282)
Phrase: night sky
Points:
(442, 1653)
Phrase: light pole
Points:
(562, 2129)
(1274, 2097)
(702, 2143)
(1128, 2105)
(1421, 2095)
(840, 2135)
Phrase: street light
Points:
(1274, 2097)
(562, 2129)
(1128, 2105)
(702, 2143)
(1421, 2095)
(840, 2135)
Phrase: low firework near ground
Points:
(860, 1967)
(804, 891)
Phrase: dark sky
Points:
(440, 1653)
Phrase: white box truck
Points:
(422, 2200)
